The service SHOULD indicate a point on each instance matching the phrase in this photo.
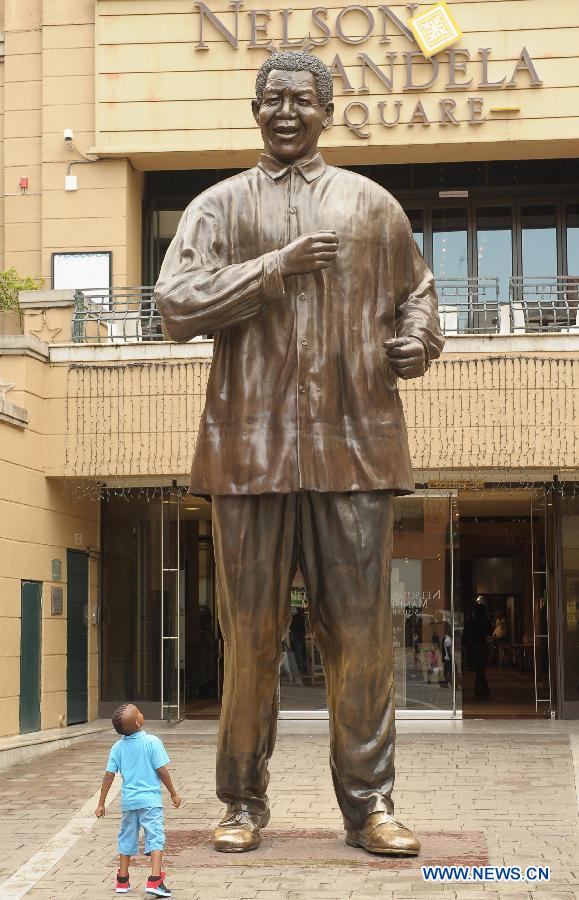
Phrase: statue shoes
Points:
(382, 833)
(239, 831)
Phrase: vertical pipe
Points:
(162, 555)
(451, 546)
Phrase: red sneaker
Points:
(156, 885)
(123, 884)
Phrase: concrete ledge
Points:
(12, 414)
(24, 345)
(23, 747)
(45, 299)
(137, 351)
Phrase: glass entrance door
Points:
(425, 620)
(505, 583)
(190, 637)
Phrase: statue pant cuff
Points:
(356, 816)
(256, 806)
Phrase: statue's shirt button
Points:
(302, 296)
(292, 209)
(304, 343)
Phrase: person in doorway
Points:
(476, 635)
(142, 761)
(499, 637)
(319, 299)
(416, 650)
(447, 657)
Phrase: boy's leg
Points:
(128, 846)
(128, 837)
(256, 555)
(156, 862)
(154, 832)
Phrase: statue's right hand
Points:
(309, 253)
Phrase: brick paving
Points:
(503, 792)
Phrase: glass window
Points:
(573, 239)
(539, 227)
(449, 242)
(494, 237)
(416, 217)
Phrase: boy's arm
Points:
(163, 773)
(105, 788)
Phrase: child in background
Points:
(142, 761)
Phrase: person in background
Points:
(476, 634)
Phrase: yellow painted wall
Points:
(37, 523)
(23, 135)
(158, 95)
(2, 189)
(50, 86)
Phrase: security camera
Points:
(68, 135)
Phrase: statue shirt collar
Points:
(310, 170)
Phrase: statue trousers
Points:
(343, 544)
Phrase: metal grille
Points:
(466, 306)
(119, 315)
(544, 303)
(469, 305)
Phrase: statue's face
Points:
(290, 116)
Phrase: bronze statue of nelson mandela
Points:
(319, 300)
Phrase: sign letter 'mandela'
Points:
(319, 300)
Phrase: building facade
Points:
(113, 115)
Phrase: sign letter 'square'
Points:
(435, 29)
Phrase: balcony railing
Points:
(544, 303)
(120, 315)
(466, 306)
(469, 305)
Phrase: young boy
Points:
(142, 761)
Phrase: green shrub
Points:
(11, 283)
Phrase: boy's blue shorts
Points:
(151, 821)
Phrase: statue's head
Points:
(293, 104)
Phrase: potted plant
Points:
(11, 283)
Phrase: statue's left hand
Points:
(406, 356)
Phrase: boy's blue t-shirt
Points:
(136, 757)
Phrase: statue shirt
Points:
(300, 394)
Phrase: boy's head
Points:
(127, 719)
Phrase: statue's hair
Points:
(297, 61)
(117, 718)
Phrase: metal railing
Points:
(119, 315)
(544, 303)
(469, 305)
(466, 306)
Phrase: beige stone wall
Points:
(2, 188)
(37, 524)
(50, 86)
(23, 135)
(491, 416)
(159, 96)
(101, 212)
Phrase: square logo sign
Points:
(435, 29)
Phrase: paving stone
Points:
(506, 797)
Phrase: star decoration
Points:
(45, 332)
